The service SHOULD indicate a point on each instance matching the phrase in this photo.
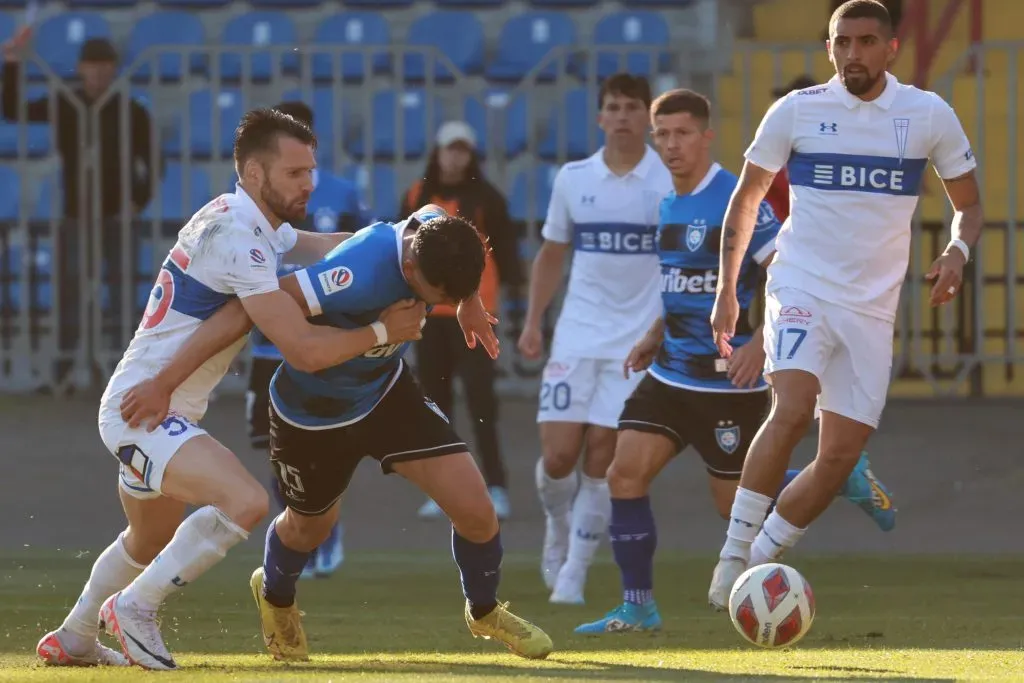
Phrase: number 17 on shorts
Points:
(795, 337)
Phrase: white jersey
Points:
(615, 284)
(227, 249)
(855, 173)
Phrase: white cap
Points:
(456, 131)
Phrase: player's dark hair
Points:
(625, 85)
(450, 255)
(259, 130)
(682, 101)
(862, 9)
(297, 110)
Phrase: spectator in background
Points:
(97, 69)
(455, 182)
(335, 205)
(778, 193)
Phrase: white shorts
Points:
(584, 391)
(144, 455)
(850, 353)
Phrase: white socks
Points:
(590, 516)
(556, 495)
(201, 541)
(113, 570)
(775, 538)
(748, 511)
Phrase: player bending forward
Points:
(229, 249)
(856, 150)
(690, 395)
(324, 424)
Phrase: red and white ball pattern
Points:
(772, 605)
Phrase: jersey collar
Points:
(281, 240)
(883, 101)
(640, 170)
(708, 177)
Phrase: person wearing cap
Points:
(97, 69)
(454, 181)
(778, 193)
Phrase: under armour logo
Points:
(829, 128)
(588, 200)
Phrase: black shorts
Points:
(313, 467)
(257, 400)
(720, 426)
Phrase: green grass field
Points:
(399, 618)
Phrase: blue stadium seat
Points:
(167, 28)
(37, 135)
(457, 35)
(412, 104)
(354, 29)
(328, 125)
(259, 29)
(10, 193)
(59, 39)
(525, 41)
(495, 111)
(641, 28)
(49, 203)
(180, 195)
(144, 264)
(579, 117)
(198, 4)
(8, 25)
(379, 180)
(540, 178)
(228, 105)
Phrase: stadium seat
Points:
(59, 39)
(8, 26)
(494, 112)
(37, 135)
(144, 264)
(166, 29)
(417, 131)
(523, 207)
(49, 201)
(579, 117)
(327, 125)
(459, 36)
(259, 28)
(10, 193)
(643, 29)
(525, 41)
(180, 195)
(201, 109)
(355, 29)
(379, 180)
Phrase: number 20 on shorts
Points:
(789, 341)
(555, 396)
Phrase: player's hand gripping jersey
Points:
(855, 172)
(227, 249)
(689, 235)
(348, 289)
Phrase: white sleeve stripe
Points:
(306, 285)
(764, 252)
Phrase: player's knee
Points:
(833, 466)
(559, 462)
(478, 522)
(627, 476)
(791, 416)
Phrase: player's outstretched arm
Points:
(150, 400)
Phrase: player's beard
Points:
(862, 82)
(279, 206)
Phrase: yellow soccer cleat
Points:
(516, 633)
(281, 626)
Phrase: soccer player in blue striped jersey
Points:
(690, 395)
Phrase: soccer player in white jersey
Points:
(604, 210)
(229, 250)
(856, 150)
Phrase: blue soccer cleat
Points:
(870, 495)
(626, 617)
(331, 553)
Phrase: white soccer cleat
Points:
(52, 651)
(726, 572)
(556, 549)
(138, 632)
(569, 585)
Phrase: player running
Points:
(229, 250)
(690, 395)
(856, 150)
(604, 209)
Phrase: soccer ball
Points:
(771, 605)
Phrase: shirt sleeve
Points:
(951, 151)
(773, 141)
(251, 268)
(341, 280)
(766, 230)
(558, 224)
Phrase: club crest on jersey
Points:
(902, 127)
(336, 279)
(728, 436)
(695, 234)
